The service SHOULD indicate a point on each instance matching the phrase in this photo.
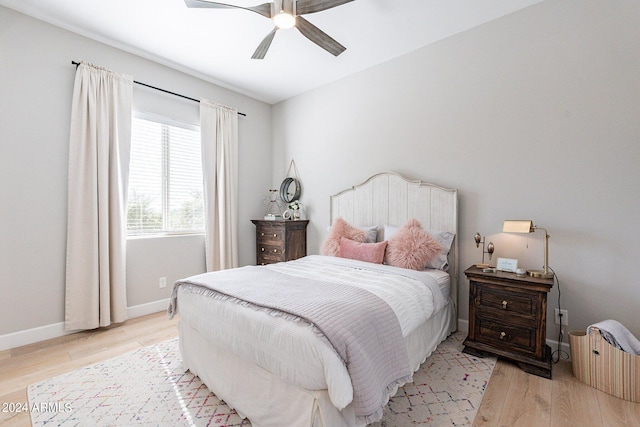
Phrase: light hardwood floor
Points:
(512, 398)
(29, 364)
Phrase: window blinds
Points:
(165, 178)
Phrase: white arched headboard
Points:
(388, 198)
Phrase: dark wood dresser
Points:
(281, 240)
(508, 318)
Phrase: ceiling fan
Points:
(286, 14)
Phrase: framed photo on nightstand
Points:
(507, 264)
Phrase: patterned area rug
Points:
(148, 388)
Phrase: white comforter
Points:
(294, 350)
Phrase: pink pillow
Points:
(340, 228)
(369, 252)
(411, 247)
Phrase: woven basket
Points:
(604, 367)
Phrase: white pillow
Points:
(371, 233)
(445, 238)
(389, 230)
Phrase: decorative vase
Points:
(296, 214)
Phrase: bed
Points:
(278, 366)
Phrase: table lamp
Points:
(527, 226)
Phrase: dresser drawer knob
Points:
(261, 234)
(504, 305)
(503, 335)
(262, 249)
(275, 235)
(275, 251)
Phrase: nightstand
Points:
(281, 240)
(508, 318)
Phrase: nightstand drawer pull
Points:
(503, 335)
(504, 305)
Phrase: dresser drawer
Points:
(269, 258)
(276, 250)
(509, 337)
(271, 235)
(507, 301)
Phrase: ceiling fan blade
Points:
(311, 6)
(264, 9)
(263, 47)
(319, 37)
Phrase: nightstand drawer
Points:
(513, 338)
(496, 297)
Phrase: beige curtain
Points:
(219, 133)
(99, 146)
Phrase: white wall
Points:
(36, 85)
(533, 116)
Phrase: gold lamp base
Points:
(540, 274)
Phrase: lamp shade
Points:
(526, 226)
(518, 226)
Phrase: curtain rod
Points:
(163, 90)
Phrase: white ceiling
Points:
(217, 44)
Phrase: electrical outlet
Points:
(565, 317)
(163, 282)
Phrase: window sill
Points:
(162, 235)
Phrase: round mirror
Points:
(290, 190)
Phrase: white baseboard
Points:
(565, 348)
(54, 330)
(148, 308)
(463, 325)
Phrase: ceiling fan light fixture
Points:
(289, 15)
(284, 21)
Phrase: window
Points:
(165, 177)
